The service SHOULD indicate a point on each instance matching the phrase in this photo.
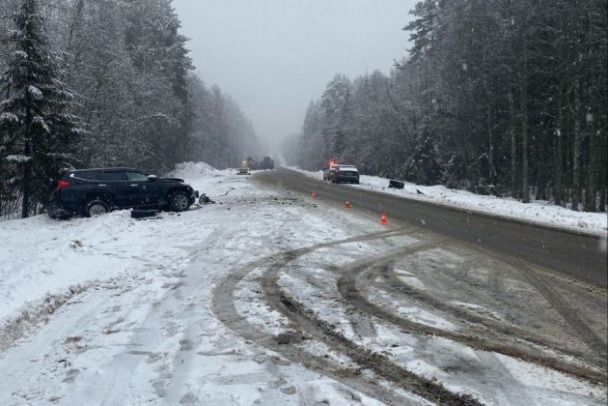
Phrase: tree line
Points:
(503, 97)
(97, 83)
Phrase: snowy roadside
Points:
(536, 212)
(43, 257)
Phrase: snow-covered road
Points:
(271, 298)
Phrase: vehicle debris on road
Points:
(395, 184)
(204, 199)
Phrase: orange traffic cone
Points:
(347, 205)
(314, 195)
(383, 219)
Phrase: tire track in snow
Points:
(579, 327)
(225, 310)
(497, 328)
(223, 305)
(349, 288)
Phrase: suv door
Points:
(143, 191)
(115, 183)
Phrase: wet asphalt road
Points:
(575, 255)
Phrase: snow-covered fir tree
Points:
(39, 133)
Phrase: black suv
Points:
(90, 192)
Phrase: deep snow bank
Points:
(193, 171)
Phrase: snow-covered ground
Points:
(537, 212)
(116, 311)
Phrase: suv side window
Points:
(137, 176)
(113, 176)
(85, 175)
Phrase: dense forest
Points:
(503, 97)
(93, 83)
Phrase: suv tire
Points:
(96, 207)
(178, 201)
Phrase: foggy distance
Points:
(274, 57)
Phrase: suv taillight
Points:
(62, 184)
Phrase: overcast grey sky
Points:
(275, 56)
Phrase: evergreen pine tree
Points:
(39, 134)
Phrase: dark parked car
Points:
(344, 173)
(90, 192)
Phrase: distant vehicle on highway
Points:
(243, 170)
(267, 163)
(92, 192)
(343, 174)
(257, 164)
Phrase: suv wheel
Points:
(178, 201)
(96, 207)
